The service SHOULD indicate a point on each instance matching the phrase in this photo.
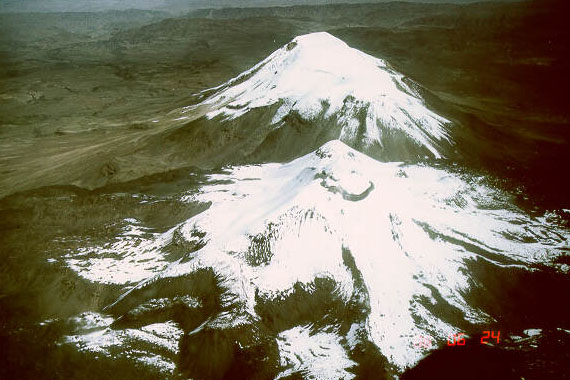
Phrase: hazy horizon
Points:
(9, 6)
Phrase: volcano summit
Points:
(315, 89)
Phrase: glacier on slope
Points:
(320, 78)
(387, 244)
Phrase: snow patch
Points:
(319, 356)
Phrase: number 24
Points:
(487, 334)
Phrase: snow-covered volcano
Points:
(302, 266)
(319, 80)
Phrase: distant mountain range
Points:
(174, 6)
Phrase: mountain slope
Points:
(316, 88)
(334, 250)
